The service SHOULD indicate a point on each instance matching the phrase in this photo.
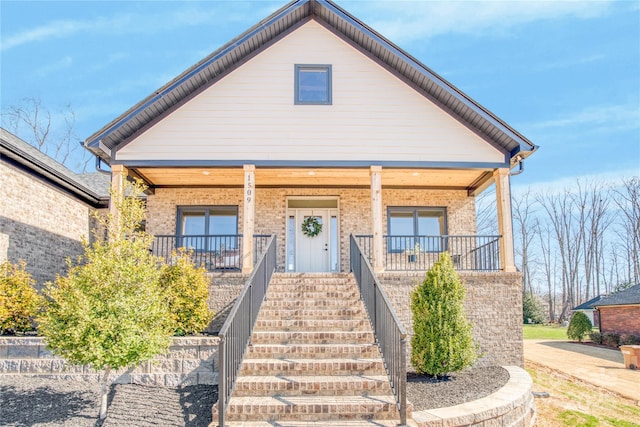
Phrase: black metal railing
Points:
(365, 241)
(390, 334)
(477, 253)
(213, 252)
(236, 331)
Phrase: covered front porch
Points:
(403, 218)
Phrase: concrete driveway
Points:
(599, 366)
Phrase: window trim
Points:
(296, 94)
(415, 210)
(200, 208)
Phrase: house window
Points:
(208, 227)
(313, 84)
(409, 226)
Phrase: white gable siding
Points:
(250, 115)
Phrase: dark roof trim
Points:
(589, 305)
(32, 164)
(630, 296)
(307, 164)
(223, 61)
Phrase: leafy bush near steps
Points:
(579, 326)
(442, 341)
(186, 289)
(19, 301)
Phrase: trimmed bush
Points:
(611, 339)
(186, 290)
(596, 337)
(579, 327)
(442, 341)
(19, 301)
(629, 339)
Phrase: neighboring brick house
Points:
(620, 312)
(45, 209)
(312, 118)
(588, 308)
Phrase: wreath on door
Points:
(311, 227)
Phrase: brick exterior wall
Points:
(493, 304)
(354, 205)
(620, 319)
(39, 224)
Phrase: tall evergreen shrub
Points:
(579, 326)
(19, 301)
(442, 339)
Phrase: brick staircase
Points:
(312, 359)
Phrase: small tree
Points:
(442, 339)
(109, 311)
(186, 289)
(532, 311)
(19, 301)
(579, 326)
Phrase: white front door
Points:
(308, 251)
(312, 251)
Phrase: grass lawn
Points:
(572, 402)
(544, 332)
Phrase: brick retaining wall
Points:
(493, 304)
(191, 360)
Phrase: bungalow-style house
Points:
(45, 208)
(588, 308)
(620, 312)
(313, 128)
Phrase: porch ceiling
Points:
(469, 179)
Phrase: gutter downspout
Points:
(520, 161)
(99, 168)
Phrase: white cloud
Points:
(62, 64)
(187, 15)
(604, 118)
(564, 184)
(406, 21)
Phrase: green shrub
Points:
(596, 337)
(19, 301)
(532, 311)
(186, 290)
(611, 339)
(629, 339)
(109, 311)
(442, 341)
(579, 326)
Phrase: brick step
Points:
(312, 367)
(292, 294)
(311, 337)
(333, 423)
(311, 324)
(311, 277)
(310, 287)
(313, 313)
(312, 351)
(271, 303)
(335, 385)
(311, 408)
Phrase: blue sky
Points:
(564, 74)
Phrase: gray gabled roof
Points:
(589, 305)
(267, 32)
(628, 296)
(38, 163)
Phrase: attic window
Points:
(313, 84)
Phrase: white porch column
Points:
(376, 218)
(118, 178)
(505, 222)
(248, 220)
